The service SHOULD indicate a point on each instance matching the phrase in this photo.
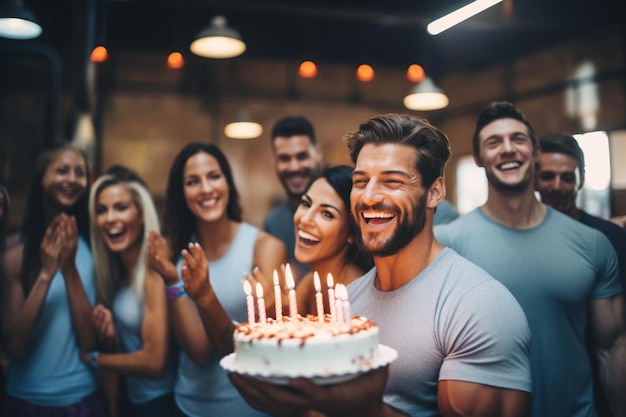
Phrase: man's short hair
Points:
(565, 144)
(293, 125)
(500, 110)
(431, 144)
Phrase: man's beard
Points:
(407, 228)
(312, 174)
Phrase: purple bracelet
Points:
(175, 291)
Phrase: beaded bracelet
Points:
(94, 358)
(175, 291)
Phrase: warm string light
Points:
(415, 73)
(99, 54)
(365, 73)
(175, 60)
(307, 69)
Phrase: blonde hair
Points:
(109, 271)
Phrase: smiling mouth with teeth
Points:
(376, 217)
(306, 237)
(509, 165)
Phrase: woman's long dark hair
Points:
(340, 178)
(179, 222)
(35, 223)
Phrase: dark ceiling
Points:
(381, 32)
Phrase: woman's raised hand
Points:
(159, 258)
(51, 245)
(69, 240)
(102, 320)
(195, 272)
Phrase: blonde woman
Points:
(132, 310)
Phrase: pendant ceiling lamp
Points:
(244, 127)
(218, 41)
(426, 96)
(17, 22)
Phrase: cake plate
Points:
(385, 356)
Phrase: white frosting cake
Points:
(305, 347)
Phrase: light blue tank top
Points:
(128, 316)
(205, 390)
(49, 373)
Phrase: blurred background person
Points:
(48, 293)
(132, 311)
(297, 158)
(564, 275)
(560, 174)
(202, 206)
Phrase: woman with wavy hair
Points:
(132, 311)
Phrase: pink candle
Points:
(247, 288)
(260, 302)
(278, 297)
(331, 296)
(318, 296)
(293, 307)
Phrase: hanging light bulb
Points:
(17, 22)
(218, 41)
(426, 96)
(243, 127)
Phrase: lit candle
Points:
(247, 288)
(331, 296)
(293, 307)
(278, 297)
(345, 304)
(260, 302)
(318, 296)
(338, 304)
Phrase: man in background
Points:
(560, 174)
(297, 159)
(564, 275)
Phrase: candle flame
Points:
(289, 278)
(276, 283)
(316, 281)
(330, 281)
(247, 288)
(259, 290)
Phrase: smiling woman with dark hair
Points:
(202, 206)
(48, 291)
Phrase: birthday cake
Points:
(327, 347)
(305, 347)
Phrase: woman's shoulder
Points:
(265, 238)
